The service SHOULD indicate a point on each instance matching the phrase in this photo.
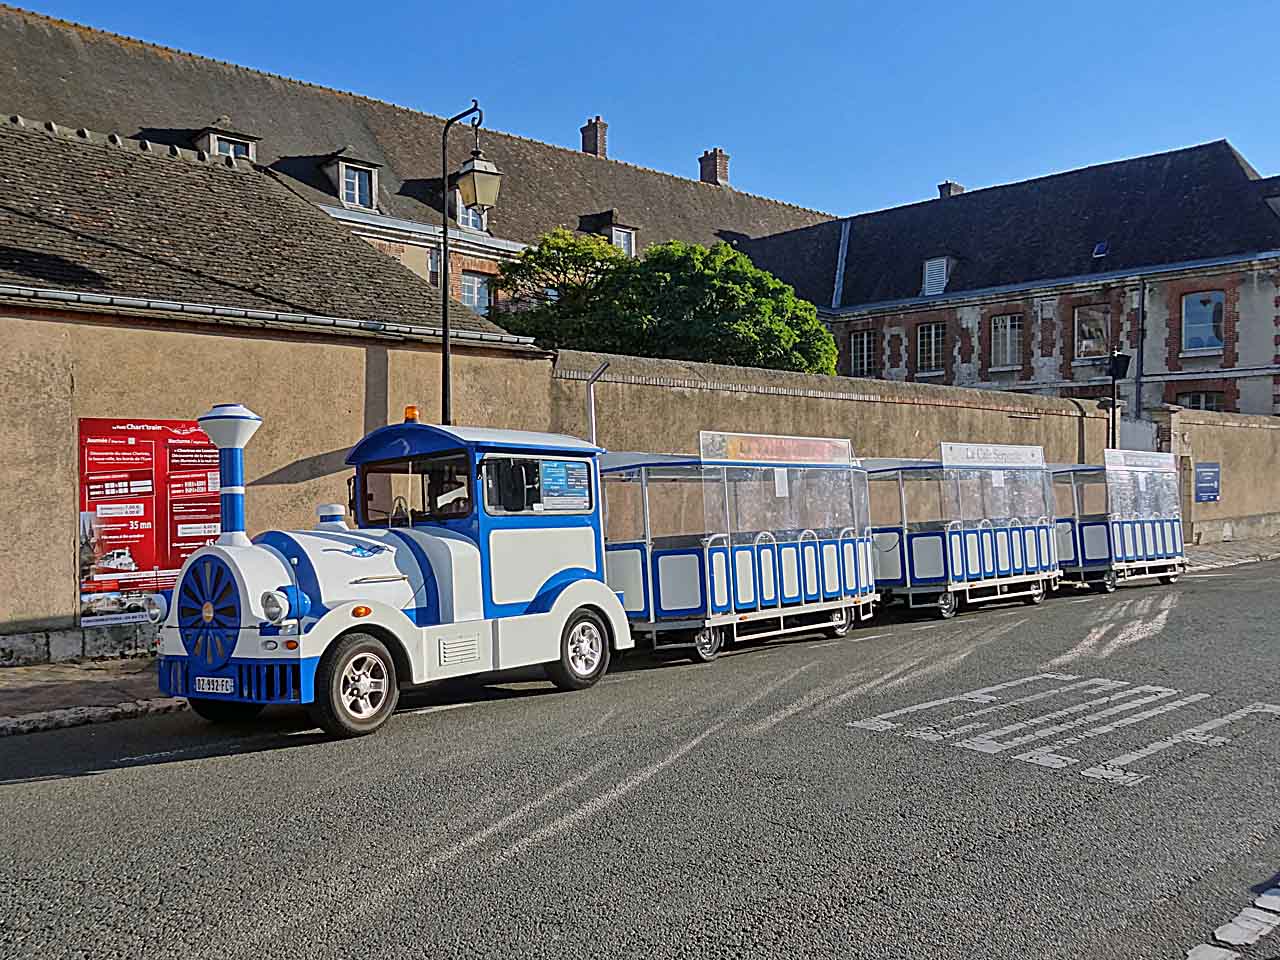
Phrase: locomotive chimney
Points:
(231, 426)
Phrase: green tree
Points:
(679, 300)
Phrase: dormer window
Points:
(355, 179)
(357, 186)
(231, 147)
(222, 139)
(469, 217)
(937, 270)
(624, 238)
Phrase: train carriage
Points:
(973, 525)
(1121, 521)
(757, 536)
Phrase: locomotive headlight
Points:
(156, 607)
(275, 605)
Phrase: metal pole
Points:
(446, 395)
(1115, 403)
(591, 400)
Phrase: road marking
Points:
(987, 742)
(1048, 756)
(1113, 770)
(932, 733)
(1249, 926)
(1085, 646)
(1269, 900)
(1206, 952)
(984, 695)
(441, 708)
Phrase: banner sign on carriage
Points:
(1140, 460)
(148, 499)
(991, 455)
(762, 448)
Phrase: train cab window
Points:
(399, 493)
(529, 484)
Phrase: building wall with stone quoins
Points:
(1249, 361)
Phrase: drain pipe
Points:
(591, 400)
(1142, 344)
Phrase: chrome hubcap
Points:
(586, 648)
(708, 641)
(364, 685)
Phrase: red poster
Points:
(148, 500)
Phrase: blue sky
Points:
(842, 106)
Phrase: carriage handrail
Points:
(755, 545)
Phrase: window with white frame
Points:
(231, 147)
(470, 217)
(936, 271)
(357, 186)
(433, 266)
(931, 345)
(1202, 320)
(1202, 400)
(1006, 340)
(624, 239)
(1092, 323)
(476, 292)
(862, 353)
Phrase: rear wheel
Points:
(1170, 579)
(1107, 584)
(584, 652)
(356, 687)
(707, 644)
(1036, 596)
(842, 626)
(948, 604)
(224, 711)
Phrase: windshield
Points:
(399, 493)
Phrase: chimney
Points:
(595, 137)
(713, 167)
(949, 188)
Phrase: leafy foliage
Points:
(679, 300)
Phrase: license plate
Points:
(215, 685)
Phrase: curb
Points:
(79, 716)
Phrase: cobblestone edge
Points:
(80, 716)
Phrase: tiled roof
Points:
(89, 214)
(1199, 203)
(50, 68)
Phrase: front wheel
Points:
(1036, 596)
(584, 652)
(224, 711)
(948, 604)
(1170, 579)
(841, 627)
(356, 687)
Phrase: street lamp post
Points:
(477, 182)
(1117, 366)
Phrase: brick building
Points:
(370, 165)
(1173, 258)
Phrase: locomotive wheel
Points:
(1036, 597)
(1106, 585)
(948, 604)
(356, 687)
(707, 643)
(841, 627)
(584, 652)
(224, 711)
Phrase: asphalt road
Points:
(781, 802)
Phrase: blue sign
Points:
(565, 485)
(1208, 482)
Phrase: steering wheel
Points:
(399, 507)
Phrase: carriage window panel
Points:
(1063, 497)
(1093, 494)
(1092, 324)
(931, 342)
(929, 504)
(1202, 320)
(1006, 340)
(533, 485)
(417, 490)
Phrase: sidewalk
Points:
(1212, 555)
(54, 695)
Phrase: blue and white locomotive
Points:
(473, 550)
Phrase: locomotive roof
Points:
(412, 438)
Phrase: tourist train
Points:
(466, 551)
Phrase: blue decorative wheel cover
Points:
(209, 612)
